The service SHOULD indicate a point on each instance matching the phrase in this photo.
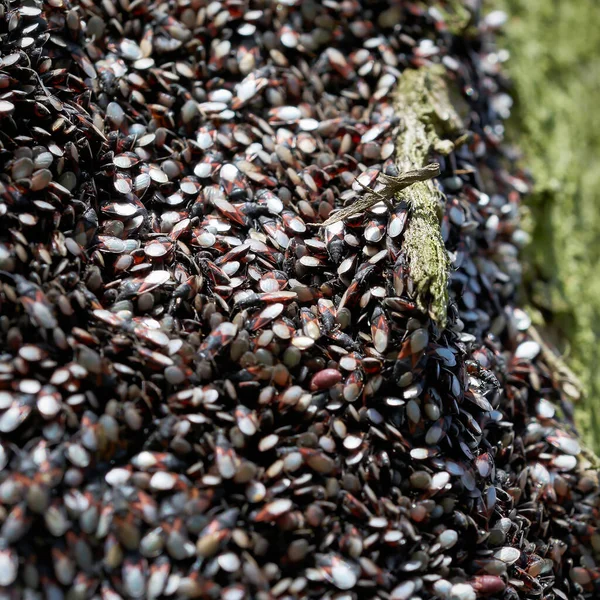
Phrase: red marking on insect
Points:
(232, 180)
(380, 330)
(356, 507)
(272, 311)
(229, 211)
(218, 339)
(351, 295)
(214, 273)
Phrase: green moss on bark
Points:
(423, 104)
(556, 74)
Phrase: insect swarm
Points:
(202, 393)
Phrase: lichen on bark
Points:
(427, 118)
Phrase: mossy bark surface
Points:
(427, 118)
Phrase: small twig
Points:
(378, 194)
(392, 185)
